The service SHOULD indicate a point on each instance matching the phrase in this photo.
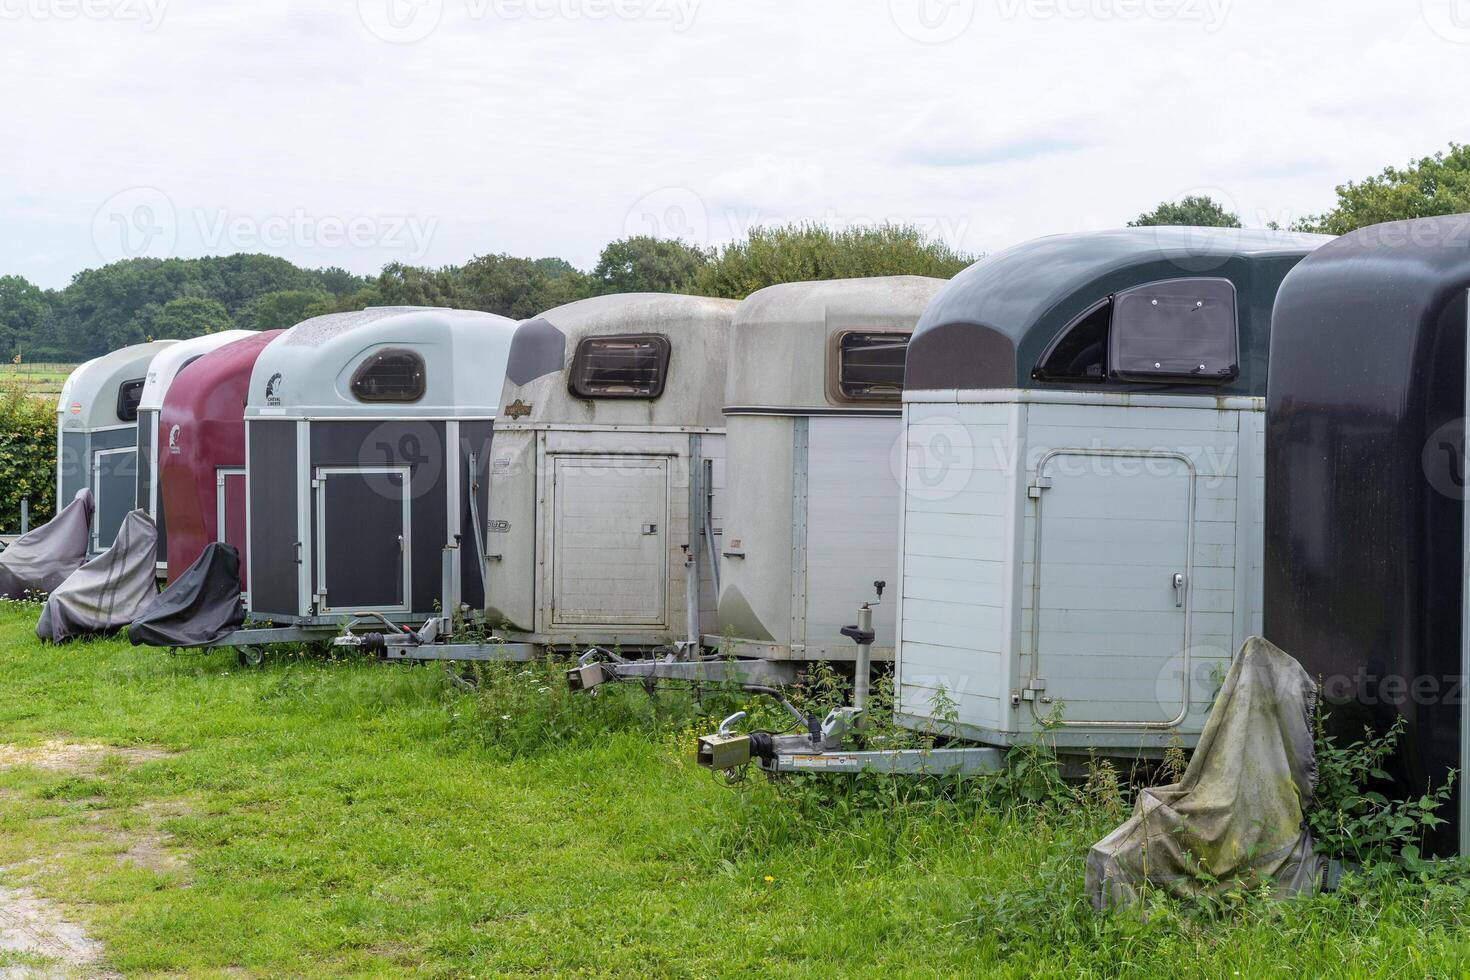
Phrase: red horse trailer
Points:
(201, 453)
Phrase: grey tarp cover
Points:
(1236, 816)
(40, 560)
(107, 592)
(199, 606)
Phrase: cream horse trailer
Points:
(96, 435)
(813, 424)
(1082, 518)
(360, 431)
(606, 472)
(161, 373)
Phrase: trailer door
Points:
(610, 560)
(1110, 596)
(229, 513)
(363, 543)
(114, 493)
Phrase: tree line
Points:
(135, 300)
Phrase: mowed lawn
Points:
(339, 817)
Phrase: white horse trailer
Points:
(96, 435)
(161, 373)
(813, 425)
(1082, 518)
(360, 431)
(608, 471)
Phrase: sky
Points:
(359, 132)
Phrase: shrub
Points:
(27, 455)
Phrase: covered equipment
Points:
(201, 458)
(153, 444)
(200, 605)
(1235, 820)
(1082, 513)
(1365, 492)
(107, 592)
(606, 488)
(41, 559)
(360, 431)
(97, 435)
(813, 421)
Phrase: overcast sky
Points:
(358, 132)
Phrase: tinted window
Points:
(870, 365)
(390, 376)
(129, 394)
(1080, 352)
(1178, 330)
(620, 367)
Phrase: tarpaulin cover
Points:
(1236, 817)
(106, 593)
(200, 605)
(40, 560)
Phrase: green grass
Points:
(338, 817)
(41, 379)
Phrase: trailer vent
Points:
(129, 395)
(620, 367)
(870, 365)
(392, 375)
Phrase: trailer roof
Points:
(308, 371)
(211, 386)
(168, 363)
(783, 336)
(88, 399)
(692, 386)
(989, 327)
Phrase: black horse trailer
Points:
(360, 433)
(1365, 490)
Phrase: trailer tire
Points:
(250, 656)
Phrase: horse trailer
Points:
(97, 435)
(161, 373)
(1365, 494)
(201, 458)
(360, 431)
(607, 473)
(1082, 510)
(813, 423)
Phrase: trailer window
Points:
(129, 395)
(1079, 353)
(620, 367)
(392, 375)
(1181, 330)
(870, 365)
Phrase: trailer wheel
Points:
(251, 656)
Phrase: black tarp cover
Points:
(40, 560)
(106, 593)
(199, 606)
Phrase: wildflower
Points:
(505, 717)
(769, 879)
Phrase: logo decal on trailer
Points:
(272, 387)
(518, 409)
(76, 408)
(173, 440)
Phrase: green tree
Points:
(796, 253)
(1433, 185)
(644, 264)
(1196, 211)
(24, 312)
(182, 318)
(519, 288)
(276, 311)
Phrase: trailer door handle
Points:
(1179, 590)
(400, 544)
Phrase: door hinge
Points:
(1034, 689)
(1037, 485)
